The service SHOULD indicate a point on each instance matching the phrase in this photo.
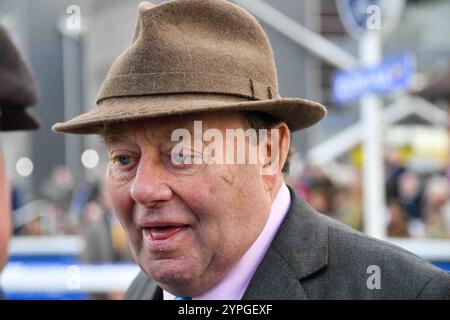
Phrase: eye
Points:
(183, 161)
(180, 158)
(123, 160)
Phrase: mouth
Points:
(163, 232)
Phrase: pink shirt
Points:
(234, 284)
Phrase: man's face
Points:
(187, 224)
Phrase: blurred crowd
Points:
(418, 203)
(67, 207)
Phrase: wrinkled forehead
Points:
(161, 129)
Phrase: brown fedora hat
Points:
(18, 90)
(193, 56)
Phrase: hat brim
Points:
(297, 113)
(12, 120)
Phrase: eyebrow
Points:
(114, 134)
(111, 135)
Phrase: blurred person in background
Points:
(398, 221)
(409, 193)
(18, 196)
(409, 199)
(348, 202)
(310, 184)
(322, 196)
(394, 169)
(104, 237)
(96, 230)
(17, 91)
(437, 207)
(59, 188)
(118, 237)
(66, 200)
(225, 230)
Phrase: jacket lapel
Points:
(157, 293)
(299, 249)
(274, 280)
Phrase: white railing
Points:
(46, 245)
(47, 277)
(428, 249)
(18, 277)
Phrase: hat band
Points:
(184, 82)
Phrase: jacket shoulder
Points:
(356, 260)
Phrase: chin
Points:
(170, 273)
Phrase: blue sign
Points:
(391, 75)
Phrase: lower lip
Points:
(160, 238)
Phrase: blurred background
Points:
(387, 137)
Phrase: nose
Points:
(149, 186)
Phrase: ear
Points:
(275, 150)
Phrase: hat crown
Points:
(193, 56)
(202, 46)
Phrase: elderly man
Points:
(17, 91)
(176, 109)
